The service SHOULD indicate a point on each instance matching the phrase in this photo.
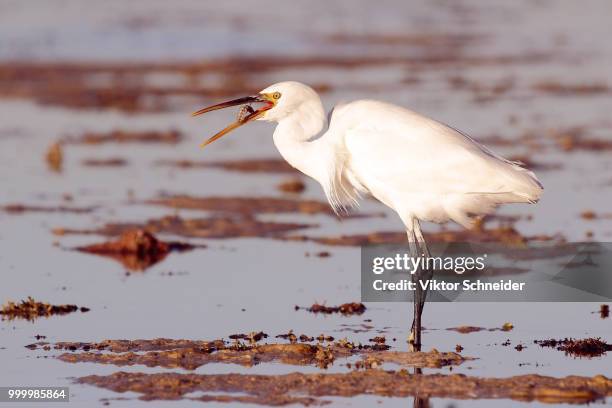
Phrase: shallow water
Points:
(205, 297)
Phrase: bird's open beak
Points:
(268, 103)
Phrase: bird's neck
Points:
(295, 138)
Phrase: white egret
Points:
(421, 168)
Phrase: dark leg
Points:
(414, 340)
(419, 302)
(415, 332)
(420, 294)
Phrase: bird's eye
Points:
(276, 95)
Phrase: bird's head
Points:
(272, 104)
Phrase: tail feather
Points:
(525, 184)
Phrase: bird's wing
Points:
(393, 148)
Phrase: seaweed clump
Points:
(604, 311)
(591, 347)
(292, 186)
(347, 309)
(136, 249)
(471, 329)
(30, 309)
(313, 389)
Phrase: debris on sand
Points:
(292, 186)
(55, 157)
(288, 336)
(591, 347)
(604, 311)
(311, 389)
(346, 309)
(322, 338)
(358, 347)
(305, 339)
(379, 340)
(252, 337)
(377, 346)
(30, 310)
(110, 162)
(122, 136)
(245, 166)
(471, 329)
(136, 249)
(367, 363)
(213, 227)
(34, 346)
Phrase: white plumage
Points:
(421, 168)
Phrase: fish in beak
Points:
(247, 113)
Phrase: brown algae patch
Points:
(604, 311)
(592, 215)
(472, 329)
(566, 139)
(122, 136)
(25, 208)
(30, 310)
(346, 309)
(292, 186)
(503, 234)
(122, 346)
(245, 205)
(213, 227)
(577, 138)
(244, 166)
(561, 89)
(136, 249)
(466, 329)
(109, 162)
(252, 337)
(193, 354)
(192, 358)
(444, 41)
(70, 83)
(591, 347)
(308, 389)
